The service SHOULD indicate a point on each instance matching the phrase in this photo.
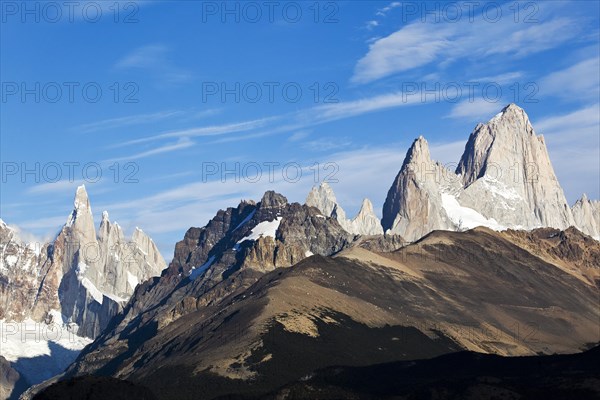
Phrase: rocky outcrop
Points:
(19, 266)
(413, 206)
(586, 214)
(504, 180)
(365, 222)
(8, 379)
(85, 276)
(263, 236)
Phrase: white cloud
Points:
(578, 82)
(130, 120)
(213, 130)
(476, 110)
(143, 57)
(299, 135)
(371, 24)
(62, 186)
(412, 46)
(501, 79)
(154, 59)
(327, 144)
(421, 43)
(382, 12)
(447, 153)
(182, 143)
(574, 146)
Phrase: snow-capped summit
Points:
(81, 198)
(504, 180)
(83, 274)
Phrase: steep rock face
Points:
(84, 276)
(508, 176)
(504, 180)
(586, 214)
(413, 206)
(214, 262)
(8, 378)
(365, 222)
(19, 266)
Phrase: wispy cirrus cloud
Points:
(422, 43)
(131, 120)
(478, 109)
(212, 130)
(61, 186)
(578, 82)
(501, 79)
(574, 146)
(182, 143)
(382, 12)
(154, 59)
(295, 121)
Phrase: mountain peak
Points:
(366, 207)
(323, 198)
(81, 216)
(273, 199)
(418, 152)
(366, 222)
(81, 198)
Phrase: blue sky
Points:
(156, 95)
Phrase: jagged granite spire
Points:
(504, 180)
(413, 206)
(84, 275)
(365, 222)
(508, 176)
(586, 214)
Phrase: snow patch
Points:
(55, 345)
(80, 271)
(497, 116)
(266, 228)
(116, 298)
(11, 260)
(248, 218)
(308, 253)
(96, 294)
(196, 272)
(498, 188)
(465, 217)
(132, 280)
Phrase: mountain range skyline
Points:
(292, 182)
(176, 125)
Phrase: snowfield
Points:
(266, 228)
(196, 272)
(39, 351)
(465, 217)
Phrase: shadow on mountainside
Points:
(37, 369)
